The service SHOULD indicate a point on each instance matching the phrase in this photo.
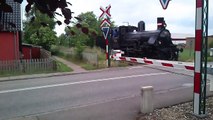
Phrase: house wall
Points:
(26, 52)
(31, 52)
(9, 46)
(35, 52)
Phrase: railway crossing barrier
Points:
(117, 55)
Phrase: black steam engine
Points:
(136, 42)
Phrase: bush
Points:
(78, 52)
(54, 50)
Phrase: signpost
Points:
(105, 28)
(164, 3)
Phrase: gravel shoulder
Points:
(178, 112)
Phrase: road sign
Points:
(164, 3)
(105, 27)
(105, 31)
(106, 12)
(105, 22)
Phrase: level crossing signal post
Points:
(201, 42)
(105, 28)
(200, 72)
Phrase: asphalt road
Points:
(107, 95)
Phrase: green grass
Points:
(84, 64)
(7, 74)
(89, 66)
(188, 56)
(61, 67)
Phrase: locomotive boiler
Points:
(137, 42)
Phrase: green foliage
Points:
(37, 25)
(187, 55)
(211, 44)
(74, 35)
(55, 50)
(63, 40)
(45, 37)
(91, 21)
(78, 52)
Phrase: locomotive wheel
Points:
(162, 56)
(167, 55)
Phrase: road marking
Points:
(188, 85)
(80, 82)
(137, 67)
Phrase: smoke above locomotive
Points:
(137, 42)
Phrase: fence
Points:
(91, 57)
(27, 66)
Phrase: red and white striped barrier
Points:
(174, 64)
(164, 63)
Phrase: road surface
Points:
(107, 95)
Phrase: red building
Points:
(10, 37)
(9, 46)
(31, 51)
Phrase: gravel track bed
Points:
(178, 112)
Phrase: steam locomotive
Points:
(137, 42)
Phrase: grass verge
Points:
(188, 56)
(60, 68)
(85, 64)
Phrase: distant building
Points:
(178, 38)
(190, 41)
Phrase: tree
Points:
(45, 37)
(44, 6)
(39, 20)
(62, 40)
(40, 31)
(86, 29)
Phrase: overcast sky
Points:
(179, 16)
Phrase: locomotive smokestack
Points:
(141, 26)
(160, 23)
